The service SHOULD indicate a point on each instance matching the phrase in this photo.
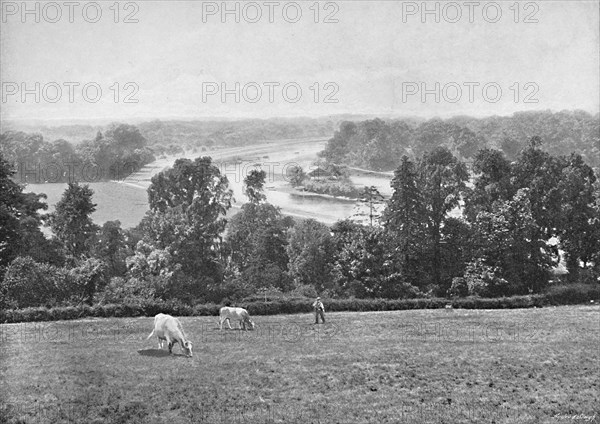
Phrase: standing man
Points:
(319, 310)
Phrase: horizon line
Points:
(82, 121)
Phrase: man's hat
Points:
(318, 298)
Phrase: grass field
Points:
(438, 366)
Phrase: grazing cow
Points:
(168, 328)
(236, 314)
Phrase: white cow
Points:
(236, 314)
(168, 328)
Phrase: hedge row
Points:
(562, 295)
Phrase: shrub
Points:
(569, 294)
(556, 295)
(133, 291)
(209, 309)
(483, 280)
(84, 279)
(27, 283)
(333, 188)
(459, 288)
(589, 276)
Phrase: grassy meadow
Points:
(418, 366)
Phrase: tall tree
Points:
(509, 238)
(404, 217)
(110, 247)
(190, 181)
(442, 177)
(257, 238)
(254, 184)
(492, 182)
(540, 172)
(71, 222)
(20, 220)
(579, 229)
(187, 207)
(310, 250)
(337, 146)
(364, 264)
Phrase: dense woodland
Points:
(519, 210)
(378, 145)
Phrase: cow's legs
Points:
(228, 322)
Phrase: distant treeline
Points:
(378, 145)
(175, 136)
(114, 154)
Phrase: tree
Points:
(337, 146)
(149, 261)
(19, 147)
(579, 230)
(484, 280)
(120, 150)
(492, 182)
(364, 264)
(596, 226)
(358, 266)
(15, 208)
(191, 237)
(431, 135)
(257, 238)
(126, 138)
(62, 151)
(465, 142)
(28, 283)
(442, 178)
(254, 184)
(311, 251)
(20, 222)
(71, 222)
(186, 218)
(424, 194)
(187, 182)
(110, 247)
(508, 239)
(511, 147)
(404, 218)
(88, 276)
(540, 172)
(295, 175)
(457, 249)
(378, 145)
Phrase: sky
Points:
(187, 59)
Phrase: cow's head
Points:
(251, 325)
(187, 348)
